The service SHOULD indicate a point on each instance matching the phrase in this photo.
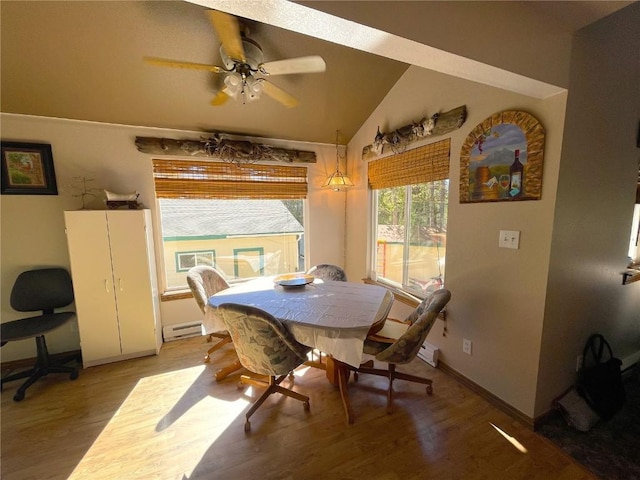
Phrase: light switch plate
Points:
(509, 239)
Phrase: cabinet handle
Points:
(120, 284)
(106, 285)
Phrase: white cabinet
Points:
(115, 285)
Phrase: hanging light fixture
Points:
(338, 181)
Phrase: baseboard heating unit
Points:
(429, 353)
(181, 330)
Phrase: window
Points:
(186, 260)
(410, 206)
(634, 249)
(248, 262)
(246, 220)
(634, 241)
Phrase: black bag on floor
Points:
(600, 379)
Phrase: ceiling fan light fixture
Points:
(233, 84)
(253, 88)
(242, 60)
(338, 181)
(253, 55)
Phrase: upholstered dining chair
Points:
(264, 347)
(203, 282)
(403, 343)
(326, 271)
(44, 290)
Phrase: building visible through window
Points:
(241, 238)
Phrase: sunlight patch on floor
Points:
(301, 371)
(512, 440)
(162, 429)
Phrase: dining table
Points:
(332, 317)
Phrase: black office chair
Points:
(43, 289)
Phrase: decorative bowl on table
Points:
(293, 280)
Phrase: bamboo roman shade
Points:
(205, 179)
(419, 165)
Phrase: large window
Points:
(246, 221)
(410, 205)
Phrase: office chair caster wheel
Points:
(247, 427)
(74, 375)
(206, 358)
(429, 390)
(18, 396)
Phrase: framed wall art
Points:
(501, 159)
(27, 169)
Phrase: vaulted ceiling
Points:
(83, 60)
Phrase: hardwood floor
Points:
(165, 417)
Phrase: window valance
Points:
(206, 179)
(419, 165)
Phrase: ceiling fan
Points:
(242, 60)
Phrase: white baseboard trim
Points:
(630, 361)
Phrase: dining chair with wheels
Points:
(264, 347)
(203, 282)
(326, 271)
(44, 290)
(400, 342)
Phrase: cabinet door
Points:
(89, 252)
(134, 291)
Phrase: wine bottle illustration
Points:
(516, 175)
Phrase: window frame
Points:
(402, 287)
(197, 178)
(195, 253)
(634, 240)
(405, 169)
(238, 251)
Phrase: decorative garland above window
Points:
(399, 139)
(221, 147)
(501, 159)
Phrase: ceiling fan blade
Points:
(278, 94)
(228, 31)
(165, 62)
(220, 99)
(311, 64)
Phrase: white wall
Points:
(32, 227)
(594, 210)
(498, 295)
(530, 311)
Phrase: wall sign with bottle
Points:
(501, 159)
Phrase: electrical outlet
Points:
(466, 346)
(579, 363)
